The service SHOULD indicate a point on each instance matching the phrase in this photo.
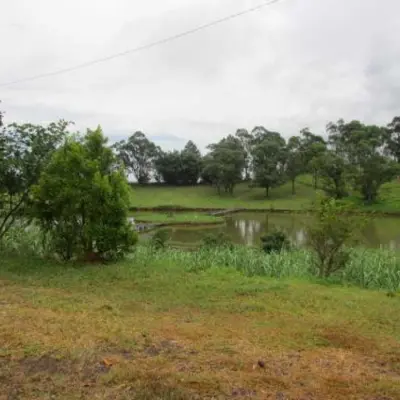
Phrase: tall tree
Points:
(82, 200)
(259, 133)
(247, 140)
(294, 162)
(138, 154)
(269, 156)
(191, 163)
(313, 148)
(344, 138)
(333, 170)
(24, 152)
(372, 170)
(180, 168)
(169, 167)
(362, 146)
(225, 163)
(393, 139)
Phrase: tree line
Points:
(74, 186)
(70, 186)
(351, 156)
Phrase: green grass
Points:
(368, 268)
(176, 218)
(281, 198)
(207, 197)
(152, 327)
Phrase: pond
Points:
(247, 228)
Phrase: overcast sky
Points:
(294, 64)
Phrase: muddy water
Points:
(247, 228)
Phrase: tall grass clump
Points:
(24, 240)
(373, 269)
(366, 268)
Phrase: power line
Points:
(143, 47)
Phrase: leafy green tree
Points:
(393, 139)
(362, 146)
(138, 154)
(333, 171)
(344, 138)
(330, 233)
(313, 148)
(269, 160)
(82, 201)
(224, 165)
(180, 168)
(24, 152)
(169, 167)
(210, 172)
(191, 164)
(373, 170)
(295, 160)
(247, 140)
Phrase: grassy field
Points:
(247, 197)
(176, 218)
(207, 197)
(148, 328)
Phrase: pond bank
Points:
(224, 211)
(149, 220)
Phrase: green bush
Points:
(330, 234)
(275, 242)
(215, 240)
(159, 239)
(82, 201)
(367, 268)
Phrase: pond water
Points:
(247, 228)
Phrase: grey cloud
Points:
(297, 63)
(166, 138)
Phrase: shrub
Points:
(275, 242)
(159, 239)
(82, 201)
(215, 240)
(332, 230)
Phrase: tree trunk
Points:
(293, 187)
(267, 191)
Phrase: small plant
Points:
(159, 239)
(333, 229)
(275, 242)
(217, 240)
(170, 214)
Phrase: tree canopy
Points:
(82, 200)
(224, 165)
(138, 154)
(25, 151)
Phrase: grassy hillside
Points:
(149, 329)
(247, 197)
(176, 218)
(207, 197)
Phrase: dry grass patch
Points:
(82, 335)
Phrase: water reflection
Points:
(247, 228)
